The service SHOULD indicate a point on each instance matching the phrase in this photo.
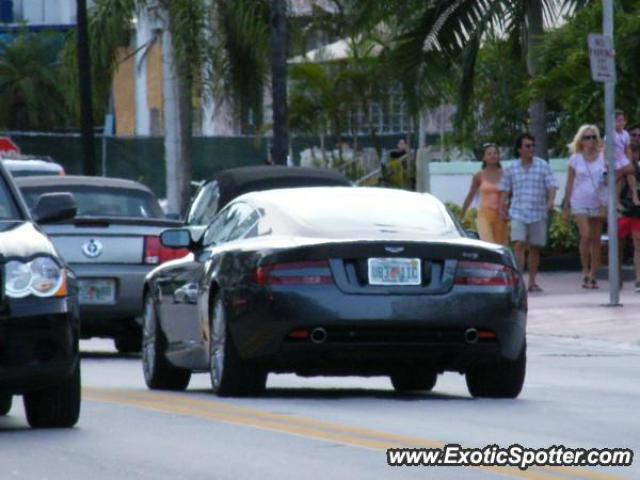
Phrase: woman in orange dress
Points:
(491, 226)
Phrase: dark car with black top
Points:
(229, 184)
(39, 321)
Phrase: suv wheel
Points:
(410, 381)
(5, 403)
(231, 376)
(159, 374)
(57, 406)
(503, 379)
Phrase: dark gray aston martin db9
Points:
(39, 320)
(335, 281)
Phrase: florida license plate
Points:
(394, 271)
(97, 292)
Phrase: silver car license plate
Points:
(97, 291)
(394, 271)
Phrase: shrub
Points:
(469, 220)
(563, 236)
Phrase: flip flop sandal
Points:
(594, 284)
(586, 282)
(535, 288)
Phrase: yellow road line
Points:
(245, 412)
(305, 427)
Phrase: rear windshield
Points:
(104, 202)
(8, 207)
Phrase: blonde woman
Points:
(491, 226)
(585, 197)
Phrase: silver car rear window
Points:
(104, 202)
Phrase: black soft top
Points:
(238, 181)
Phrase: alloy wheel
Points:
(148, 338)
(217, 340)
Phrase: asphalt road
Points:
(578, 394)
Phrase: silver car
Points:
(111, 244)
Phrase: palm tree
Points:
(433, 28)
(31, 90)
(217, 47)
(240, 57)
(184, 43)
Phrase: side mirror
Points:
(54, 207)
(176, 238)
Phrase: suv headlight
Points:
(41, 277)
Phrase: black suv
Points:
(39, 322)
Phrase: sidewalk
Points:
(565, 309)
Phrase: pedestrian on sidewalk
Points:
(532, 186)
(629, 220)
(621, 153)
(586, 198)
(634, 134)
(491, 226)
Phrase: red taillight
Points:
(485, 274)
(299, 334)
(155, 253)
(486, 335)
(294, 273)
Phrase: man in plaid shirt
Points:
(532, 187)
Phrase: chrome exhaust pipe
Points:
(318, 335)
(471, 336)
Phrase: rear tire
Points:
(231, 376)
(503, 379)
(131, 343)
(57, 406)
(5, 404)
(409, 381)
(159, 374)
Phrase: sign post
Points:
(602, 58)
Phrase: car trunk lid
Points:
(104, 240)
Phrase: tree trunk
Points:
(538, 107)
(185, 124)
(177, 128)
(279, 81)
(89, 166)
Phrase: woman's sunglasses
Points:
(589, 137)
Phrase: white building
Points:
(45, 12)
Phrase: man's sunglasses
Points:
(528, 145)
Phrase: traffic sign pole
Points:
(609, 118)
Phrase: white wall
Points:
(454, 188)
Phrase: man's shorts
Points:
(628, 226)
(534, 234)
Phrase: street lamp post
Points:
(84, 83)
(279, 81)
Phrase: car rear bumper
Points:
(37, 350)
(383, 358)
(377, 333)
(119, 316)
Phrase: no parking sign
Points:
(7, 145)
